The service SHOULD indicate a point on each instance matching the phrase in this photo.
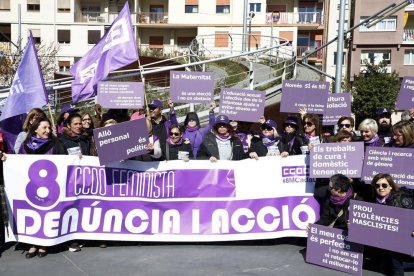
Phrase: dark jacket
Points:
(403, 198)
(81, 141)
(293, 149)
(172, 150)
(257, 146)
(161, 129)
(209, 148)
(330, 212)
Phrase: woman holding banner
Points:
(268, 142)
(33, 114)
(403, 135)
(292, 140)
(72, 139)
(40, 140)
(222, 143)
(387, 192)
(194, 132)
(178, 148)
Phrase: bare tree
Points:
(10, 62)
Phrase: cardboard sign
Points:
(398, 162)
(121, 141)
(191, 87)
(121, 95)
(329, 247)
(241, 104)
(405, 99)
(332, 158)
(382, 226)
(311, 95)
(337, 105)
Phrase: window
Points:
(191, 8)
(33, 5)
(376, 57)
(36, 35)
(223, 9)
(156, 42)
(64, 66)
(63, 6)
(4, 5)
(222, 6)
(386, 25)
(184, 41)
(221, 39)
(409, 57)
(343, 58)
(93, 36)
(63, 36)
(255, 7)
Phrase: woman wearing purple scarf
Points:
(335, 211)
(369, 133)
(177, 148)
(40, 140)
(194, 132)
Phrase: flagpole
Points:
(51, 115)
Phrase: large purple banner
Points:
(311, 95)
(191, 87)
(382, 226)
(330, 247)
(396, 161)
(405, 99)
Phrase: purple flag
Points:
(28, 89)
(117, 48)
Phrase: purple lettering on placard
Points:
(330, 247)
(128, 183)
(157, 217)
(382, 226)
(121, 95)
(191, 87)
(241, 104)
(398, 162)
(121, 141)
(405, 99)
(337, 105)
(329, 159)
(311, 95)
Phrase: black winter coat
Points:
(209, 148)
(77, 141)
(174, 149)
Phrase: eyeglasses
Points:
(267, 129)
(344, 125)
(308, 124)
(175, 134)
(290, 125)
(383, 185)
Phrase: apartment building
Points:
(391, 40)
(165, 26)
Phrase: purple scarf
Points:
(192, 129)
(35, 143)
(268, 140)
(381, 200)
(373, 141)
(224, 137)
(339, 200)
(174, 144)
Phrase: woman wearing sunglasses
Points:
(291, 140)
(267, 144)
(347, 123)
(388, 193)
(177, 148)
(221, 143)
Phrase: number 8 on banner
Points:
(42, 189)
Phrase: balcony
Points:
(153, 18)
(303, 50)
(294, 18)
(408, 36)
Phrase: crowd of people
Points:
(224, 139)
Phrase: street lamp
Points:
(251, 15)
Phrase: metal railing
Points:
(294, 18)
(152, 17)
(408, 35)
(304, 50)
